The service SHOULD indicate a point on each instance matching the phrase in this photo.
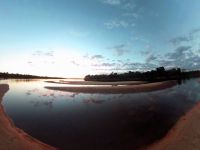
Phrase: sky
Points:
(73, 38)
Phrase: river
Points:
(74, 121)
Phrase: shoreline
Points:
(12, 137)
(147, 87)
(185, 134)
(99, 83)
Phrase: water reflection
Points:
(93, 101)
(19, 80)
(48, 103)
(76, 121)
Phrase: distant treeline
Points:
(6, 75)
(160, 74)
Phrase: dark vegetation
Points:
(6, 75)
(160, 74)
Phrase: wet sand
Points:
(13, 138)
(185, 135)
(116, 89)
(99, 83)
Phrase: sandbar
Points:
(99, 83)
(116, 89)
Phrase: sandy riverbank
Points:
(12, 138)
(116, 89)
(185, 135)
(99, 83)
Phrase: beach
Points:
(185, 135)
(99, 83)
(13, 138)
(120, 87)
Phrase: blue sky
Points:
(72, 38)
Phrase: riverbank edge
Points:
(12, 137)
(99, 83)
(184, 135)
(147, 87)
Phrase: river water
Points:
(74, 121)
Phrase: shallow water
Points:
(75, 121)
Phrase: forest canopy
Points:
(159, 74)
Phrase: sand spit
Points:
(185, 135)
(117, 89)
(99, 83)
(13, 138)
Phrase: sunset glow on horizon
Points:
(69, 38)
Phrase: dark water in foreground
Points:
(97, 121)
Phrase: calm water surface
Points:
(75, 121)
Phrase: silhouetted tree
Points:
(6, 75)
(160, 74)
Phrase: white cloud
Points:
(129, 5)
(118, 23)
(43, 53)
(124, 4)
(131, 14)
(112, 2)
